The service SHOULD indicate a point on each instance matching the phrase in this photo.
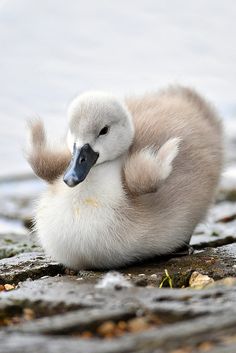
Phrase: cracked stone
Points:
(27, 265)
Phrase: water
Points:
(53, 50)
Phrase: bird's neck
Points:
(103, 182)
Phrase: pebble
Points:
(141, 282)
(9, 287)
(154, 277)
(106, 328)
(198, 281)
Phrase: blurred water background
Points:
(52, 50)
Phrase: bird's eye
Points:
(104, 130)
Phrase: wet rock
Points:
(28, 265)
(158, 319)
(18, 343)
(216, 263)
(27, 343)
(172, 304)
(13, 244)
(218, 228)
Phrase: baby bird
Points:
(134, 180)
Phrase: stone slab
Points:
(13, 244)
(27, 265)
(217, 263)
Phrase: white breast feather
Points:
(74, 224)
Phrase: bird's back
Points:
(177, 111)
(182, 199)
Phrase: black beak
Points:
(82, 161)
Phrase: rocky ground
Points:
(180, 304)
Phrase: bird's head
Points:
(100, 130)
